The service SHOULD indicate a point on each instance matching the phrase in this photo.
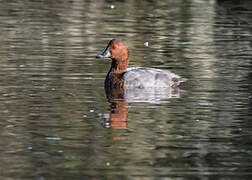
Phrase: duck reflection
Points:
(118, 116)
(120, 97)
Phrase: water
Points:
(55, 119)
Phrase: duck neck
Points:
(118, 66)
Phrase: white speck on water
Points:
(84, 116)
(184, 43)
(71, 94)
(197, 120)
(91, 110)
(240, 129)
(112, 6)
(54, 138)
(146, 44)
(107, 125)
(21, 65)
(5, 94)
(53, 89)
(60, 151)
(151, 163)
(29, 147)
(250, 97)
(205, 104)
(107, 163)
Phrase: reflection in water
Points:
(120, 97)
(51, 90)
(118, 118)
(151, 95)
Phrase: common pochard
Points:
(120, 76)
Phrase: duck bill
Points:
(106, 54)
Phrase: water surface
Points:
(57, 123)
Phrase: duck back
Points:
(142, 77)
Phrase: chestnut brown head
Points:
(116, 50)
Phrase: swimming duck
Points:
(120, 76)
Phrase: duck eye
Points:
(114, 46)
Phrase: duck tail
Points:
(183, 79)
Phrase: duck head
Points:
(118, 51)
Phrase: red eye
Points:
(114, 46)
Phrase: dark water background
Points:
(55, 119)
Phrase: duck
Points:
(120, 76)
